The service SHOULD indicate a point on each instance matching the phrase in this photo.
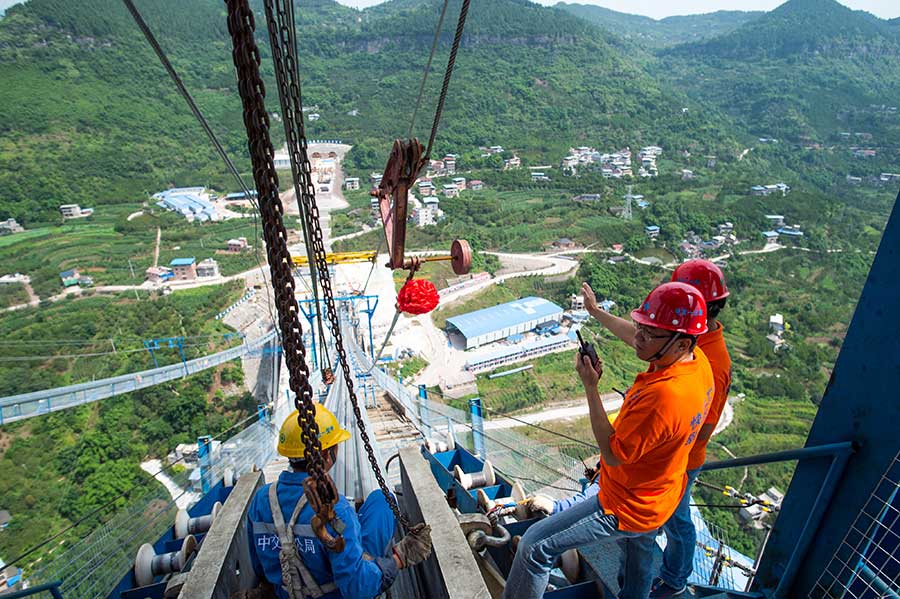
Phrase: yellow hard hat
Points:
(290, 443)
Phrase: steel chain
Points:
(245, 53)
(280, 25)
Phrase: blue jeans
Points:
(681, 540)
(582, 524)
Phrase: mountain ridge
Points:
(89, 115)
(664, 32)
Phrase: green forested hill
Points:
(663, 32)
(804, 72)
(87, 114)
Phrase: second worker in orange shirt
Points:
(643, 457)
(681, 536)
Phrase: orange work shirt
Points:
(713, 345)
(656, 427)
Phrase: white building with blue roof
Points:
(190, 202)
(499, 322)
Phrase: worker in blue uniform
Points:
(283, 543)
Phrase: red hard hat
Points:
(705, 276)
(677, 307)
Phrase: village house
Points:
(766, 190)
(564, 243)
(450, 163)
(183, 269)
(10, 226)
(429, 213)
(512, 163)
(236, 246)
(74, 211)
(770, 237)
(70, 277)
(208, 268)
(450, 190)
(282, 159)
(158, 274)
(351, 183)
(375, 178)
(652, 231)
(476, 185)
(460, 182)
(426, 187)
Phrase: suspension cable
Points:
(282, 36)
(320, 488)
(451, 61)
(289, 85)
(179, 84)
(434, 44)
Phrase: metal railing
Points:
(91, 566)
(867, 562)
(36, 403)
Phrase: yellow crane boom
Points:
(339, 258)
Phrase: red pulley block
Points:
(461, 256)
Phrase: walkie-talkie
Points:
(587, 349)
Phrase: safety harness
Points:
(296, 578)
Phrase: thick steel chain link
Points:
(280, 34)
(245, 53)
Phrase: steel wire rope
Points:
(546, 430)
(105, 339)
(434, 44)
(123, 494)
(182, 89)
(249, 68)
(288, 76)
(97, 354)
(448, 74)
(319, 487)
(451, 62)
(512, 449)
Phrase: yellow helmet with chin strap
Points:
(290, 443)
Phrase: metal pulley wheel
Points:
(461, 256)
(148, 564)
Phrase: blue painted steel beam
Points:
(860, 404)
(831, 449)
(50, 587)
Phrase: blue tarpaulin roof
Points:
(510, 314)
(181, 262)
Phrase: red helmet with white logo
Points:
(676, 307)
(705, 276)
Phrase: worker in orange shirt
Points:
(643, 457)
(681, 536)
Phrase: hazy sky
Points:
(886, 9)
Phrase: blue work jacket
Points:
(356, 577)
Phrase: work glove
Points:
(539, 503)
(415, 547)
